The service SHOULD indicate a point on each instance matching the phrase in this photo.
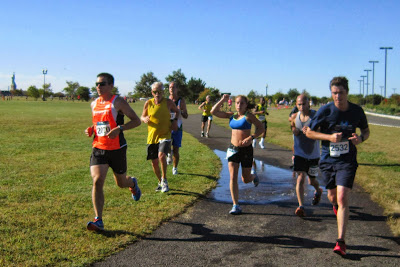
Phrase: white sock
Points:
(262, 140)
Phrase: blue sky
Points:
(235, 46)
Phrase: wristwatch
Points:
(120, 128)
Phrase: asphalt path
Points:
(383, 120)
(264, 235)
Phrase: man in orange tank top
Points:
(109, 144)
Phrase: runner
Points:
(206, 116)
(306, 153)
(176, 135)
(335, 124)
(109, 144)
(240, 149)
(260, 112)
(156, 113)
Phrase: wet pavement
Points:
(276, 184)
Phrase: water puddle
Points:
(276, 184)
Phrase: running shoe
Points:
(164, 186)
(169, 159)
(300, 212)
(317, 197)
(256, 180)
(97, 225)
(136, 193)
(207, 135)
(340, 248)
(236, 210)
(254, 143)
(261, 145)
(335, 209)
(174, 171)
(202, 134)
(159, 187)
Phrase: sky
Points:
(235, 46)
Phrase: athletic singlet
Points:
(207, 107)
(304, 146)
(159, 126)
(105, 117)
(261, 117)
(178, 104)
(240, 124)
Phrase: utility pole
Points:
(360, 85)
(367, 79)
(386, 49)
(373, 73)
(363, 76)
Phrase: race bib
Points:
(172, 115)
(102, 128)
(337, 149)
(230, 152)
(313, 171)
(261, 118)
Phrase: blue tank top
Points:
(241, 124)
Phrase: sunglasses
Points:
(101, 84)
(156, 92)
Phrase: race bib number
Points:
(172, 115)
(230, 152)
(261, 118)
(313, 171)
(337, 149)
(102, 128)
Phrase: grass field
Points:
(45, 186)
(378, 158)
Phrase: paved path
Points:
(383, 120)
(265, 235)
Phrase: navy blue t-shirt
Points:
(329, 119)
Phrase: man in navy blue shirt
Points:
(335, 124)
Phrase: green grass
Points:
(378, 159)
(45, 186)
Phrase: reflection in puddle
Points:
(276, 184)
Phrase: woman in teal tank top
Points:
(240, 150)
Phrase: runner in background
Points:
(261, 112)
(206, 116)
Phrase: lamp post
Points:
(266, 90)
(373, 73)
(360, 85)
(367, 79)
(386, 49)
(44, 71)
(363, 76)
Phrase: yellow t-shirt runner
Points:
(159, 126)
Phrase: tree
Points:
(70, 90)
(278, 96)
(195, 87)
(180, 80)
(33, 92)
(212, 91)
(94, 92)
(253, 95)
(83, 92)
(143, 87)
(115, 91)
(293, 94)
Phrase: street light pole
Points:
(367, 79)
(360, 85)
(373, 73)
(266, 90)
(44, 71)
(386, 49)
(363, 76)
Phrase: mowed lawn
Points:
(45, 186)
(378, 158)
